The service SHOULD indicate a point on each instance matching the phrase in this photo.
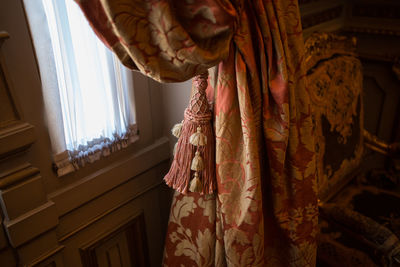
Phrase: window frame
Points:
(148, 105)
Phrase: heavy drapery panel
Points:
(265, 210)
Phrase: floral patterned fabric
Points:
(265, 211)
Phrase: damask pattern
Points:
(265, 210)
(336, 91)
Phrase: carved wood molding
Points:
(15, 134)
(16, 175)
(49, 259)
(29, 217)
(15, 138)
(374, 31)
(31, 224)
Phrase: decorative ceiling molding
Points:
(321, 16)
(374, 31)
(302, 2)
(376, 11)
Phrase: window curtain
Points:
(265, 210)
(88, 110)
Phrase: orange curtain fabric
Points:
(265, 211)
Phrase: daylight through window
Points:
(95, 103)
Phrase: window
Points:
(89, 105)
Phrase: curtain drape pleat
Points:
(265, 210)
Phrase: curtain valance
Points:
(170, 41)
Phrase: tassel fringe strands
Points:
(193, 167)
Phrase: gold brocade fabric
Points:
(265, 211)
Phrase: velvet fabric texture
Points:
(265, 210)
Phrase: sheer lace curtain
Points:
(89, 108)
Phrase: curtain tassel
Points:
(195, 184)
(195, 151)
(176, 130)
(198, 138)
(197, 163)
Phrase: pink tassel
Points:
(197, 114)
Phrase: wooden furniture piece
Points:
(359, 208)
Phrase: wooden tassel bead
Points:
(198, 138)
(195, 184)
(197, 162)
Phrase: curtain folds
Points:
(265, 211)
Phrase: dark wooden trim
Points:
(372, 31)
(321, 17)
(136, 236)
(303, 2)
(46, 256)
(135, 232)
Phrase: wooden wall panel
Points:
(125, 245)
(374, 98)
(382, 98)
(99, 218)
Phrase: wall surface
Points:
(175, 100)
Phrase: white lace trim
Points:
(70, 161)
